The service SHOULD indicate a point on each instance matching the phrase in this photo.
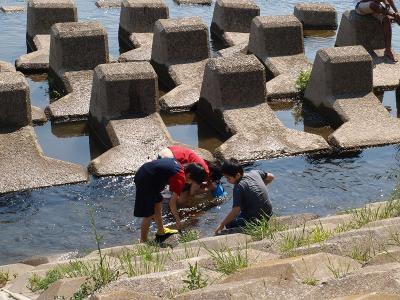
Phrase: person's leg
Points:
(144, 228)
(238, 222)
(158, 217)
(387, 31)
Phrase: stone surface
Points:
(232, 16)
(38, 115)
(163, 284)
(236, 38)
(297, 268)
(371, 296)
(242, 115)
(36, 61)
(75, 105)
(77, 46)
(6, 67)
(179, 62)
(237, 240)
(341, 82)
(240, 49)
(179, 41)
(321, 16)
(15, 270)
(140, 16)
(278, 42)
(135, 141)
(386, 76)
(8, 9)
(42, 14)
(142, 42)
(63, 288)
(264, 288)
(15, 103)
(354, 29)
(122, 294)
(382, 278)
(194, 2)
(108, 3)
(297, 220)
(122, 90)
(21, 156)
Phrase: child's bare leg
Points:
(144, 228)
(158, 217)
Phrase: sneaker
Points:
(167, 232)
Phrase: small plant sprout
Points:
(302, 80)
(310, 278)
(229, 261)
(188, 236)
(394, 238)
(194, 280)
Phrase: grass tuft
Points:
(194, 280)
(227, 261)
(4, 278)
(302, 80)
(264, 227)
(188, 236)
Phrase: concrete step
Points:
(63, 289)
(371, 296)
(232, 241)
(320, 267)
(382, 278)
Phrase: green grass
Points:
(4, 278)
(188, 236)
(311, 281)
(339, 270)
(262, 228)
(302, 80)
(132, 265)
(229, 261)
(361, 254)
(194, 279)
(291, 240)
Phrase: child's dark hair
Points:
(215, 171)
(231, 167)
(197, 172)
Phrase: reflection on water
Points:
(302, 116)
(187, 128)
(55, 219)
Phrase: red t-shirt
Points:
(177, 182)
(187, 156)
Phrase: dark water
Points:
(55, 219)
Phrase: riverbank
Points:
(291, 257)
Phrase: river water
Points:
(55, 219)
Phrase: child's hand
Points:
(219, 229)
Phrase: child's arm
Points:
(174, 209)
(229, 218)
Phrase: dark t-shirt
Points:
(158, 173)
(251, 195)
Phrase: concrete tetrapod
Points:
(136, 26)
(278, 42)
(38, 115)
(76, 48)
(341, 85)
(22, 161)
(367, 31)
(232, 19)
(131, 125)
(233, 100)
(180, 52)
(320, 16)
(41, 15)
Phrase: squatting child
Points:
(150, 181)
(250, 196)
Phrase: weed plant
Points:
(264, 227)
(338, 271)
(227, 261)
(194, 280)
(4, 278)
(302, 80)
(291, 240)
(188, 236)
